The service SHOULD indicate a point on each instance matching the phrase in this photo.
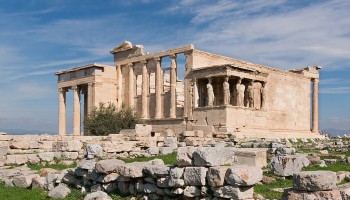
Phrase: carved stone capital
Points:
(144, 62)
(62, 89)
(188, 53)
(315, 80)
(75, 87)
(156, 59)
(172, 56)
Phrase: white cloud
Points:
(335, 90)
(276, 34)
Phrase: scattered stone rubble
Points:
(207, 168)
(203, 176)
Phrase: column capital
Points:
(143, 62)
(156, 58)
(187, 53)
(172, 56)
(75, 87)
(315, 80)
(129, 65)
(62, 89)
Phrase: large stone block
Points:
(20, 145)
(216, 176)
(233, 192)
(314, 180)
(87, 164)
(243, 175)
(184, 156)
(59, 192)
(156, 171)
(3, 150)
(213, 156)
(132, 170)
(192, 191)
(70, 155)
(72, 145)
(16, 159)
(93, 150)
(47, 156)
(97, 195)
(289, 164)
(251, 157)
(24, 181)
(108, 166)
(195, 176)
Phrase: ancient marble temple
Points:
(216, 94)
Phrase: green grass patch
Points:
(169, 159)
(17, 193)
(58, 166)
(266, 189)
(335, 167)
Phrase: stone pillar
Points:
(61, 111)
(195, 95)
(131, 85)
(158, 88)
(76, 110)
(119, 87)
(187, 86)
(263, 96)
(315, 105)
(173, 79)
(145, 89)
(90, 96)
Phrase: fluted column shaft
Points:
(173, 78)
(76, 111)
(131, 86)
(158, 91)
(61, 112)
(144, 113)
(315, 105)
(119, 87)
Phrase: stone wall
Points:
(199, 173)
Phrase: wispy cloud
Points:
(280, 34)
(335, 90)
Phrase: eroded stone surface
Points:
(315, 180)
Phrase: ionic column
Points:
(119, 87)
(158, 88)
(76, 110)
(61, 111)
(90, 96)
(131, 86)
(144, 113)
(315, 105)
(187, 87)
(173, 87)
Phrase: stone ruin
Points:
(213, 93)
(209, 168)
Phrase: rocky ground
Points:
(250, 169)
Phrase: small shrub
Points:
(106, 119)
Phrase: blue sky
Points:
(38, 38)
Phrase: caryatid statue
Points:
(263, 95)
(250, 93)
(226, 87)
(210, 93)
(240, 93)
